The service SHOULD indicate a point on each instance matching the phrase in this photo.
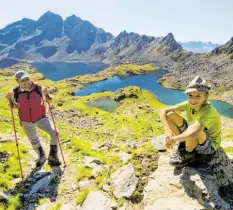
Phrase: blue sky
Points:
(198, 20)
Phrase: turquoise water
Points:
(106, 104)
(149, 82)
(60, 70)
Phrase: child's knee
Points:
(175, 118)
(191, 144)
(201, 137)
(170, 115)
(190, 148)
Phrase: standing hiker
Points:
(29, 99)
(200, 133)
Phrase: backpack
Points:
(17, 92)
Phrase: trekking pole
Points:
(50, 110)
(16, 138)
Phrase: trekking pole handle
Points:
(13, 104)
(48, 97)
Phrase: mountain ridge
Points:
(51, 38)
(22, 39)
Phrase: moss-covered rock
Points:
(129, 92)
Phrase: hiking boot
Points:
(182, 158)
(178, 151)
(53, 159)
(41, 157)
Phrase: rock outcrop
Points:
(215, 67)
(129, 93)
(204, 185)
(227, 49)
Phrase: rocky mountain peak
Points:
(73, 20)
(49, 16)
(225, 49)
(83, 34)
(168, 44)
(132, 38)
(51, 25)
(170, 36)
(14, 31)
(102, 36)
(122, 34)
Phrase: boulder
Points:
(42, 184)
(97, 170)
(4, 157)
(3, 196)
(91, 162)
(159, 143)
(130, 92)
(97, 201)
(86, 184)
(68, 206)
(124, 156)
(124, 181)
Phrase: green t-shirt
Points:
(208, 117)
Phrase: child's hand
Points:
(169, 139)
(170, 143)
(168, 134)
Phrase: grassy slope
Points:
(127, 123)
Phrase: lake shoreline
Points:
(162, 81)
(107, 73)
(79, 83)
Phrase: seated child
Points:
(200, 132)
